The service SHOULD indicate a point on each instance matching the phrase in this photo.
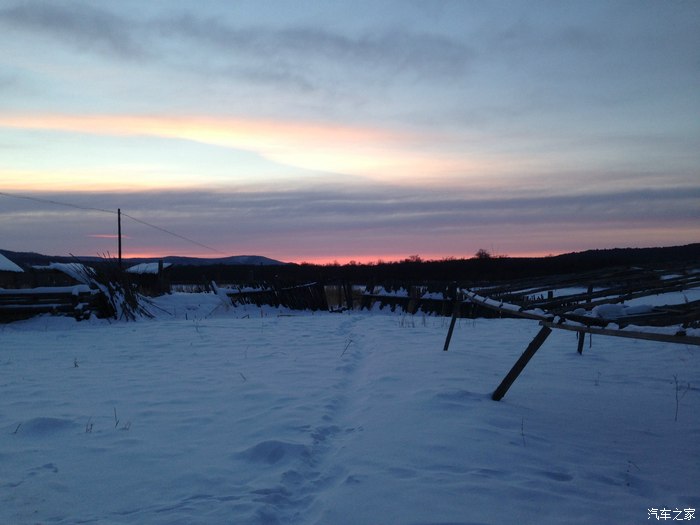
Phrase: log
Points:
(631, 334)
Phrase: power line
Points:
(173, 234)
(57, 203)
(111, 212)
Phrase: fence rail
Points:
(78, 301)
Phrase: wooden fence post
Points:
(455, 313)
(349, 300)
(521, 363)
(581, 338)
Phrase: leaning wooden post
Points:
(455, 313)
(521, 363)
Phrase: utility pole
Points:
(119, 234)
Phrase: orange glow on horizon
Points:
(392, 258)
(326, 260)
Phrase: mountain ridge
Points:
(34, 258)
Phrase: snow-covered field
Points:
(212, 416)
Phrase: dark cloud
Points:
(523, 38)
(83, 25)
(303, 58)
(419, 54)
(359, 217)
(425, 211)
(324, 71)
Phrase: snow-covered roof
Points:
(147, 268)
(6, 265)
(77, 271)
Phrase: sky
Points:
(348, 130)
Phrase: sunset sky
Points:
(349, 130)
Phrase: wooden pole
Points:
(348, 296)
(119, 234)
(581, 338)
(455, 314)
(521, 363)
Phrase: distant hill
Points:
(32, 258)
(234, 260)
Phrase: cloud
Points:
(200, 150)
(82, 25)
(373, 220)
(8, 82)
(323, 147)
(389, 50)
(302, 57)
(426, 211)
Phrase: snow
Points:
(77, 271)
(255, 415)
(615, 311)
(147, 268)
(381, 291)
(487, 301)
(6, 265)
(663, 299)
(561, 292)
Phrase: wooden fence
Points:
(309, 296)
(78, 301)
(341, 297)
(598, 310)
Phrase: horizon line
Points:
(359, 260)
